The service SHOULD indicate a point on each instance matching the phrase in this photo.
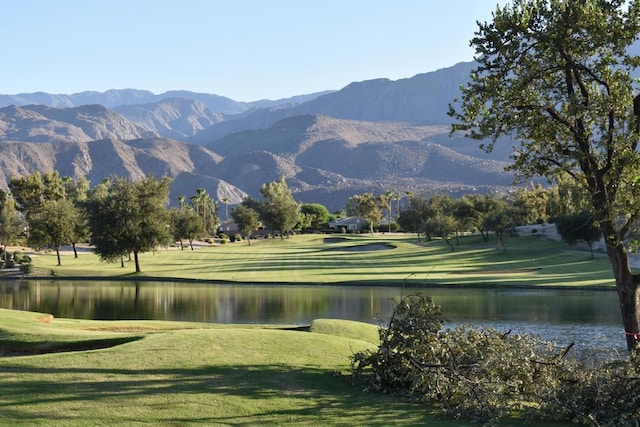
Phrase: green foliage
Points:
(30, 192)
(313, 215)
(206, 209)
(129, 217)
(413, 217)
(578, 227)
(557, 77)
(53, 225)
(279, 210)
(486, 375)
(366, 206)
(10, 223)
(247, 220)
(185, 224)
(26, 268)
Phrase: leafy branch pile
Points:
(485, 375)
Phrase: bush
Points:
(10, 263)
(485, 375)
(238, 237)
(26, 268)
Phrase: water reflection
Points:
(554, 314)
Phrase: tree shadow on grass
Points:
(275, 394)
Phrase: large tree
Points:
(366, 206)
(53, 225)
(555, 75)
(31, 191)
(129, 217)
(579, 227)
(414, 216)
(279, 210)
(185, 224)
(10, 223)
(247, 220)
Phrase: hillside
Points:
(176, 118)
(422, 99)
(376, 135)
(324, 159)
(39, 123)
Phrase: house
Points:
(229, 227)
(350, 223)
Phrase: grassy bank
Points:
(183, 373)
(368, 259)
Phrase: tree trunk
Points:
(75, 251)
(627, 285)
(58, 254)
(181, 245)
(135, 257)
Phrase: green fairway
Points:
(365, 259)
(183, 374)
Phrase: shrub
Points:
(26, 268)
(10, 263)
(485, 375)
(238, 237)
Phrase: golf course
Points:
(83, 372)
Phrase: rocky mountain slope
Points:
(376, 135)
(177, 118)
(39, 123)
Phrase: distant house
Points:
(229, 227)
(350, 223)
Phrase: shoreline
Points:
(493, 286)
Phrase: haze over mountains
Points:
(374, 135)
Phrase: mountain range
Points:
(375, 135)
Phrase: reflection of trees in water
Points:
(294, 304)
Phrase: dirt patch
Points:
(48, 318)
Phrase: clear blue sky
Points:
(243, 49)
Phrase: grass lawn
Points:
(190, 374)
(173, 373)
(368, 259)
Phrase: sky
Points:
(246, 50)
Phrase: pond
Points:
(589, 318)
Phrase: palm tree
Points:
(225, 200)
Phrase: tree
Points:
(316, 215)
(10, 223)
(413, 217)
(225, 200)
(386, 200)
(579, 227)
(530, 205)
(206, 208)
(556, 76)
(247, 220)
(500, 221)
(366, 206)
(53, 225)
(185, 224)
(280, 211)
(130, 218)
